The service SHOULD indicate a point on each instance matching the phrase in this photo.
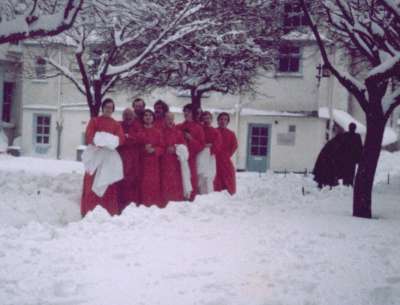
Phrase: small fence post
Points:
(388, 178)
(303, 191)
(305, 172)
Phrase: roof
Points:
(343, 119)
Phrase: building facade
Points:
(280, 127)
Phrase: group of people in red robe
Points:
(152, 169)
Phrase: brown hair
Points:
(107, 101)
(222, 114)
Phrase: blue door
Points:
(258, 140)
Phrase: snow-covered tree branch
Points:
(115, 38)
(25, 19)
(224, 56)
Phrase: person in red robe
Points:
(212, 135)
(109, 200)
(127, 187)
(129, 190)
(213, 142)
(151, 149)
(226, 177)
(160, 109)
(195, 140)
(171, 176)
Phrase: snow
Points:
(343, 119)
(387, 65)
(3, 141)
(301, 36)
(253, 111)
(37, 166)
(45, 23)
(268, 244)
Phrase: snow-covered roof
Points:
(253, 111)
(302, 36)
(177, 109)
(343, 119)
(40, 107)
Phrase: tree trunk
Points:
(364, 182)
(97, 99)
(196, 102)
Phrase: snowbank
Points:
(37, 166)
(268, 244)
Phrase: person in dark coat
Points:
(349, 154)
(325, 171)
(338, 159)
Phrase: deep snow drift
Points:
(269, 244)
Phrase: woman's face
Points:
(206, 119)
(223, 121)
(148, 118)
(108, 109)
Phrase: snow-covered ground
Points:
(267, 245)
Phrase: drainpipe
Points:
(59, 121)
(238, 109)
(331, 83)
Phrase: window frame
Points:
(291, 10)
(41, 147)
(290, 55)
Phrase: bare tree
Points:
(25, 19)
(369, 29)
(224, 57)
(113, 39)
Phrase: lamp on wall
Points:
(322, 71)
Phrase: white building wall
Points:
(309, 139)
(28, 132)
(296, 92)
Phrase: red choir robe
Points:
(109, 200)
(212, 136)
(195, 145)
(171, 176)
(149, 175)
(226, 177)
(159, 123)
(128, 188)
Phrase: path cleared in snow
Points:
(267, 245)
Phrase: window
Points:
(42, 130)
(40, 67)
(259, 141)
(289, 59)
(292, 128)
(293, 16)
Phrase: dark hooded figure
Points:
(349, 154)
(338, 159)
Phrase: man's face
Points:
(223, 121)
(138, 107)
(206, 119)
